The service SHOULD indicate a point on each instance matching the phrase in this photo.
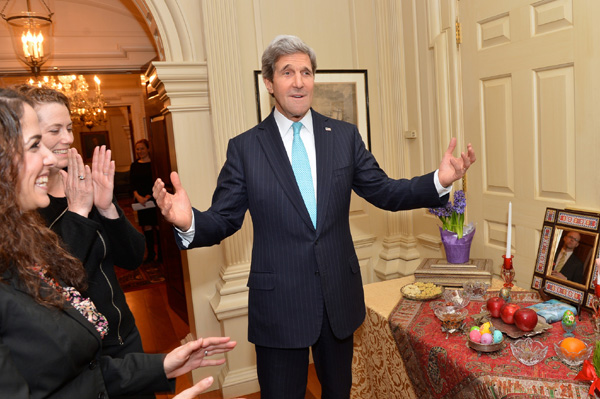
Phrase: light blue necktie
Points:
(301, 168)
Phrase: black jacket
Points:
(53, 353)
(101, 243)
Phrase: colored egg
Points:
(475, 336)
(485, 328)
(568, 318)
(505, 294)
(486, 338)
(497, 336)
(474, 328)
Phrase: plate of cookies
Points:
(420, 291)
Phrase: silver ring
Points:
(105, 174)
(81, 177)
(205, 353)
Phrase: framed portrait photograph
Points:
(338, 93)
(90, 140)
(565, 267)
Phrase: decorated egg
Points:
(475, 336)
(474, 328)
(485, 328)
(497, 336)
(505, 294)
(568, 318)
(486, 338)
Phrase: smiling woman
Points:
(41, 293)
(37, 161)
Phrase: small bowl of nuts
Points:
(420, 291)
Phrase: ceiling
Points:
(90, 36)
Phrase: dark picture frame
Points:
(339, 93)
(556, 226)
(89, 141)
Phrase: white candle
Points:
(508, 230)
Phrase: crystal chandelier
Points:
(31, 35)
(87, 107)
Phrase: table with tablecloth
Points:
(423, 363)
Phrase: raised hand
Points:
(194, 354)
(77, 182)
(451, 168)
(176, 208)
(103, 178)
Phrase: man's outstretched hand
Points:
(451, 168)
(176, 208)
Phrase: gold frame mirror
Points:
(577, 233)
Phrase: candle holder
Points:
(508, 272)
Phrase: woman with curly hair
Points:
(51, 334)
(84, 213)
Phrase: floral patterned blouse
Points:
(84, 305)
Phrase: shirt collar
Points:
(284, 124)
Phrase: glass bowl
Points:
(452, 318)
(573, 359)
(476, 289)
(528, 351)
(457, 298)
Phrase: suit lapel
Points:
(74, 313)
(270, 140)
(324, 144)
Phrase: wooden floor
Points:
(162, 330)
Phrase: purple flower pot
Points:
(457, 250)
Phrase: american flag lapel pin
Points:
(327, 129)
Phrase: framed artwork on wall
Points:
(338, 93)
(90, 140)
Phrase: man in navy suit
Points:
(305, 288)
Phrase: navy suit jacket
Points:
(298, 272)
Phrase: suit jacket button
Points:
(316, 242)
(317, 273)
(101, 395)
(93, 364)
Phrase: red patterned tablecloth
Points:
(441, 367)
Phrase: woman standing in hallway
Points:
(141, 182)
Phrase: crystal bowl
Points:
(475, 289)
(570, 358)
(528, 351)
(457, 298)
(452, 319)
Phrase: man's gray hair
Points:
(284, 45)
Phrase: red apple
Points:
(494, 304)
(526, 319)
(507, 312)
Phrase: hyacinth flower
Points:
(452, 215)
